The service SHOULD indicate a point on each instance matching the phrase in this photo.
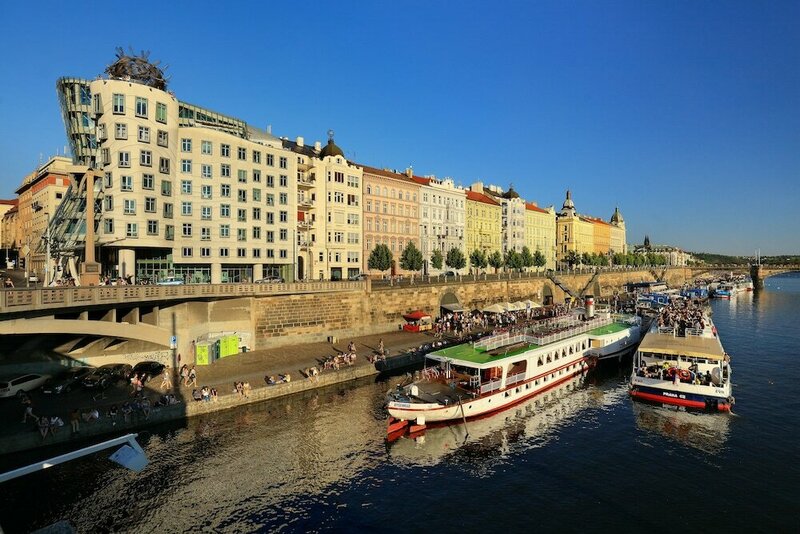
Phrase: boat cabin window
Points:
(564, 353)
(583, 346)
(517, 368)
(548, 359)
(570, 349)
(539, 363)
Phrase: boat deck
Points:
(441, 393)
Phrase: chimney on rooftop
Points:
(300, 141)
(317, 146)
(410, 172)
(477, 187)
(269, 129)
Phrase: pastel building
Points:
(441, 219)
(391, 213)
(540, 232)
(587, 235)
(513, 222)
(484, 218)
(8, 229)
(179, 190)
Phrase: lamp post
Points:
(47, 253)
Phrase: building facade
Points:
(391, 214)
(582, 234)
(39, 197)
(540, 232)
(8, 231)
(186, 192)
(513, 216)
(484, 219)
(441, 219)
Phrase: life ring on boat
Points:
(684, 374)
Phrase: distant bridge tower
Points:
(757, 275)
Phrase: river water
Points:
(583, 457)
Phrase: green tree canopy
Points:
(538, 259)
(478, 259)
(455, 259)
(572, 258)
(513, 259)
(411, 258)
(380, 258)
(437, 260)
(527, 258)
(495, 260)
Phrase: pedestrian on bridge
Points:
(166, 380)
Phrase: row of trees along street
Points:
(381, 259)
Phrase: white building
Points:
(441, 218)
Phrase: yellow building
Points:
(587, 235)
(540, 232)
(8, 229)
(484, 222)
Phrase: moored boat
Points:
(498, 371)
(682, 363)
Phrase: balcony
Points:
(304, 167)
(304, 245)
(305, 225)
(304, 204)
(305, 181)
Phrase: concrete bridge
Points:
(757, 272)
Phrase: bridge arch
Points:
(141, 331)
(547, 294)
(449, 301)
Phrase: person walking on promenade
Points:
(185, 375)
(381, 350)
(28, 405)
(166, 381)
(75, 421)
(193, 376)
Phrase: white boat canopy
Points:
(494, 308)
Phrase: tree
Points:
(380, 258)
(603, 260)
(513, 260)
(495, 260)
(411, 258)
(455, 259)
(478, 259)
(572, 258)
(586, 259)
(437, 259)
(539, 260)
(527, 258)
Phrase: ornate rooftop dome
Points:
(330, 149)
(568, 208)
(510, 193)
(137, 69)
(617, 217)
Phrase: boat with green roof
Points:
(500, 370)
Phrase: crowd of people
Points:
(680, 316)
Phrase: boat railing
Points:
(571, 331)
(694, 332)
(666, 330)
(514, 379)
(500, 340)
(491, 386)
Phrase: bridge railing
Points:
(30, 299)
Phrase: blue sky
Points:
(685, 114)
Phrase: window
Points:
(270, 181)
(225, 191)
(102, 134)
(206, 147)
(283, 163)
(241, 234)
(186, 230)
(270, 160)
(241, 176)
(148, 182)
(205, 252)
(141, 107)
(242, 195)
(163, 165)
(129, 206)
(283, 253)
(338, 177)
(120, 131)
(186, 187)
(256, 156)
(256, 195)
(131, 230)
(223, 253)
(241, 215)
(270, 253)
(283, 199)
(225, 230)
(186, 145)
(169, 232)
(270, 218)
(205, 170)
(118, 104)
(352, 200)
(242, 153)
(146, 158)
(161, 112)
(241, 252)
(256, 214)
(144, 134)
(225, 210)
(186, 166)
(108, 180)
(256, 176)
(283, 234)
(353, 218)
(225, 170)
(256, 252)
(205, 233)
(284, 216)
(106, 155)
(152, 227)
(284, 180)
(149, 204)
(186, 252)
(166, 188)
(186, 208)
(205, 213)
(270, 199)
(225, 150)
(163, 138)
(108, 203)
(205, 191)
(125, 159)
(256, 232)
(270, 236)
(108, 226)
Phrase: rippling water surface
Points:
(583, 457)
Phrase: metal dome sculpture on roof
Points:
(510, 193)
(330, 149)
(137, 69)
(617, 217)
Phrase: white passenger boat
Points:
(498, 371)
(687, 368)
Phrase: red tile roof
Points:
(534, 207)
(594, 220)
(11, 202)
(385, 173)
(480, 197)
(420, 180)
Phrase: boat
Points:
(683, 366)
(724, 291)
(473, 379)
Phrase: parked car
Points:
(170, 281)
(449, 274)
(67, 379)
(150, 369)
(105, 375)
(358, 277)
(273, 279)
(19, 384)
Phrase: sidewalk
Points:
(246, 367)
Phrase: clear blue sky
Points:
(685, 114)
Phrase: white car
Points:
(16, 385)
(170, 281)
(358, 277)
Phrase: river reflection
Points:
(701, 431)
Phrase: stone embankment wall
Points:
(282, 321)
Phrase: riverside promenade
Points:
(249, 367)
